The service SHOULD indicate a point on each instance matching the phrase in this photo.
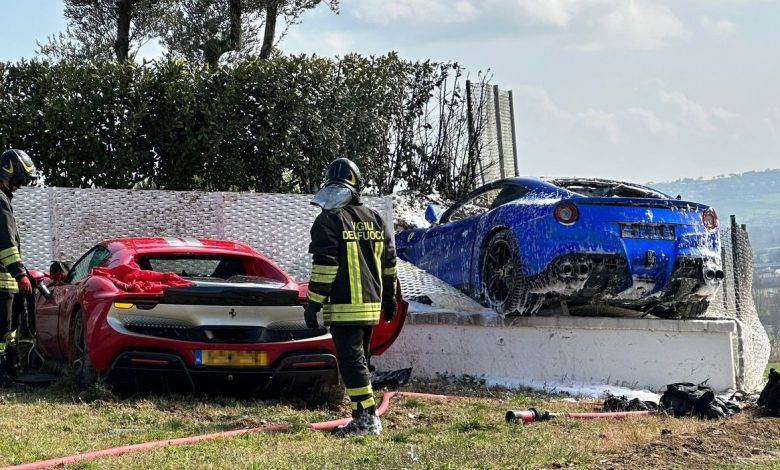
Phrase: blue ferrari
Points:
(519, 243)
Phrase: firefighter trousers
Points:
(352, 348)
(6, 314)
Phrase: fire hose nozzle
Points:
(524, 416)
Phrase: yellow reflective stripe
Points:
(354, 405)
(315, 297)
(379, 248)
(355, 392)
(351, 317)
(355, 280)
(391, 271)
(9, 286)
(10, 256)
(368, 402)
(353, 308)
(4, 276)
(324, 269)
(323, 278)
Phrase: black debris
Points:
(621, 403)
(770, 395)
(687, 399)
(391, 379)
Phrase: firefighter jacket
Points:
(11, 266)
(353, 268)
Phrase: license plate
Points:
(222, 358)
(648, 231)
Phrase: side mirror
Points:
(58, 271)
(433, 213)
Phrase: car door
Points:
(69, 290)
(449, 246)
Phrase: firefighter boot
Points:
(363, 423)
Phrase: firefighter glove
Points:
(25, 287)
(310, 315)
(389, 308)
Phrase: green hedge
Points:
(263, 125)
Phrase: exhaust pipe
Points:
(719, 275)
(567, 269)
(584, 269)
(709, 274)
(531, 415)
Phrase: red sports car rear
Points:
(191, 314)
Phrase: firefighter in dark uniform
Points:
(16, 170)
(353, 280)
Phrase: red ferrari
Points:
(193, 313)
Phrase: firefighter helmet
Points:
(344, 171)
(16, 168)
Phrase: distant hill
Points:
(754, 197)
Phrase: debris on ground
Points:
(687, 399)
(621, 403)
(770, 395)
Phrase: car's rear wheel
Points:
(80, 368)
(327, 393)
(505, 289)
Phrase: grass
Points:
(420, 433)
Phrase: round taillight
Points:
(709, 218)
(566, 213)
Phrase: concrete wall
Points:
(549, 353)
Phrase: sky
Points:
(640, 90)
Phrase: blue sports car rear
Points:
(519, 243)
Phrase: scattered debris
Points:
(621, 403)
(770, 395)
(687, 399)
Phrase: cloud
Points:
(418, 11)
(718, 27)
(634, 24)
(605, 122)
(652, 122)
(721, 113)
(689, 113)
(773, 121)
(589, 25)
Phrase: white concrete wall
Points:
(550, 353)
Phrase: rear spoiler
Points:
(640, 202)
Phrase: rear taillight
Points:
(566, 213)
(710, 219)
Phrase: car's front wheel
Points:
(504, 287)
(80, 367)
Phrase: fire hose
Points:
(117, 451)
(532, 415)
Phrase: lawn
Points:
(419, 433)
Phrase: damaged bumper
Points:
(588, 277)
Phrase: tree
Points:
(103, 30)
(204, 31)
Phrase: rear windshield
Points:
(192, 266)
(606, 188)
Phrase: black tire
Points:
(504, 287)
(327, 394)
(25, 337)
(80, 367)
(682, 310)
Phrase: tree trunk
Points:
(215, 49)
(124, 10)
(271, 13)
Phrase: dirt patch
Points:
(749, 438)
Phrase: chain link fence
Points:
(734, 301)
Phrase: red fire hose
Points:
(117, 451)
(531, 415)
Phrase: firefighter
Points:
(16, 170)
(353, 281)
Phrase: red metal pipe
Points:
(117, 451)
